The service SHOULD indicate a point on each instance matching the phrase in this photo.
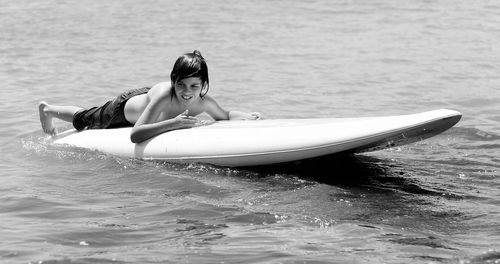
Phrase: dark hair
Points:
(190, 65)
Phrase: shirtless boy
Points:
(151, 111)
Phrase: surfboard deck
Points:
(264, 142)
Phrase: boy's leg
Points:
(48, 112)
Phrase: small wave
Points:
(491, 256)
(39, 148)
(479, 146)
(77, 260)
(473, 134)
(429, 241)
(38, 145)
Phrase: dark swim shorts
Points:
(110, 115)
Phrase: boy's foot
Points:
(46, 120)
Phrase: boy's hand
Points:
(185, 121)
(255, 116)
(235, 115)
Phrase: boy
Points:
(151, 111)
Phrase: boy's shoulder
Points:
(162, 85)
(209, 102)
(161, 89)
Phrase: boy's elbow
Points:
(135, 137)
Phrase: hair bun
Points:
(197, 53)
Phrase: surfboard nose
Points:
(452, 116)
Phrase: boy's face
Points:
(188, 90)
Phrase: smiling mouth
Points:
(185, 97)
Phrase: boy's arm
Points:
(212, 108)
(146, 127)
(217, 113)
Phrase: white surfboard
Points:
(262, 142)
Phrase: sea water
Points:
(436, 201)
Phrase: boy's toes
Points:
(51, 131)
(46, 120)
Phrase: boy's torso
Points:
(170, 108)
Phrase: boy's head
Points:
(190, 65)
